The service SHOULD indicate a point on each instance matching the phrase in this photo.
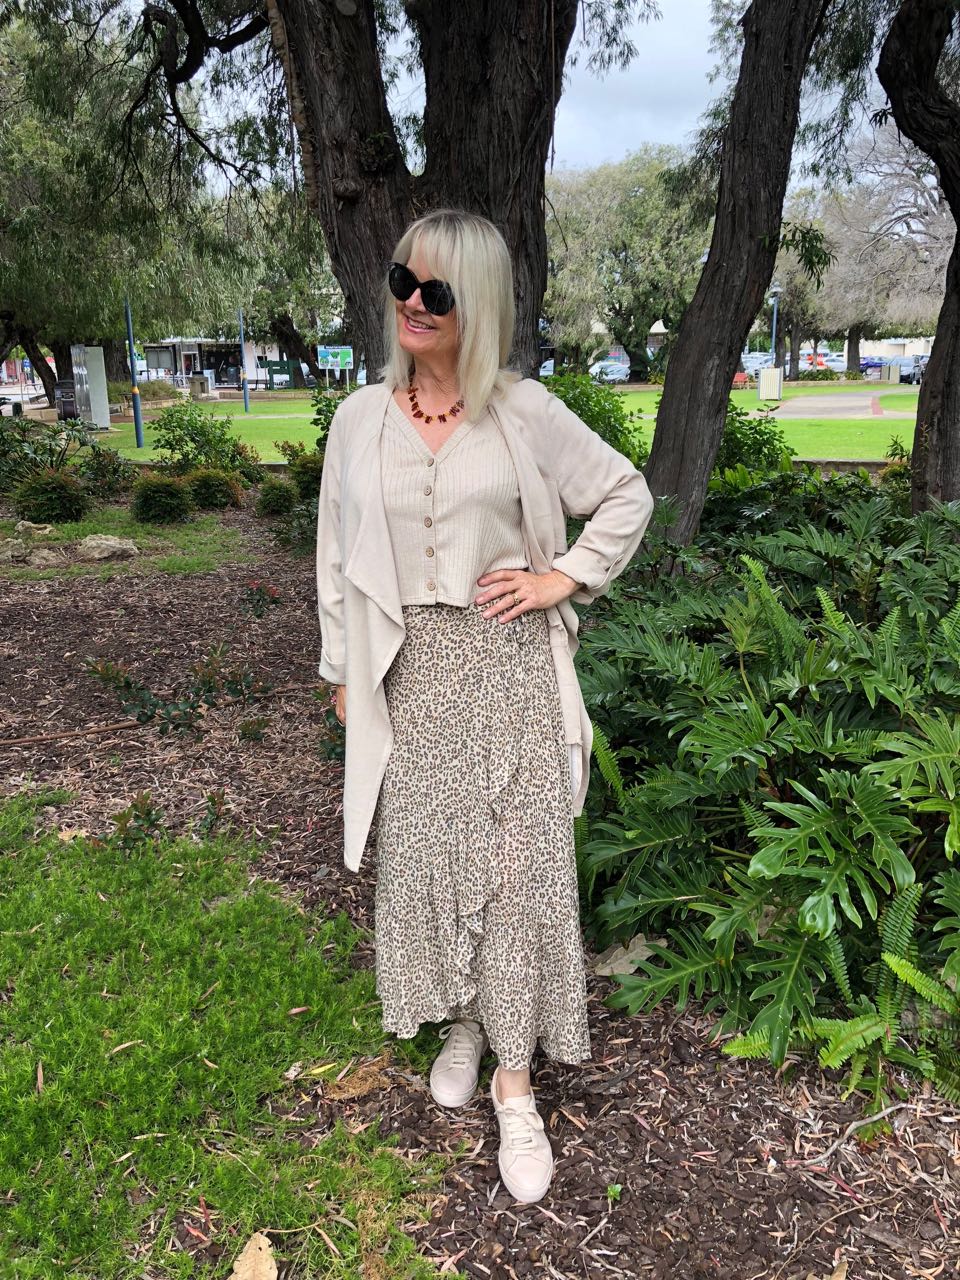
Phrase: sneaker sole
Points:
(530, 1197)
(451, 1099)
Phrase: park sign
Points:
(335, 357)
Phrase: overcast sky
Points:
(658, 99)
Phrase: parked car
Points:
(832, 360)
(610, 371)
(911, 370)
(546, 369)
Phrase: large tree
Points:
(757, 144)
(922, 88)
(492, 75)
(625, 251)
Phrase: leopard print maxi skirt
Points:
(476, 907)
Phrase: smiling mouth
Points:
(417, 324)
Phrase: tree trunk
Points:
(853, 348)
(39, 361)
(796, 340)
(930, 118)
(63, 360)
(780, 355)
(754, 168)
(493, 77)
(115, 359)
(291, 340)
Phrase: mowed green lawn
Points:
(820, 437)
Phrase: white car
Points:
(610, 371)
(546, 369)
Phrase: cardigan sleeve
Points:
(329, 568)
(596, 481)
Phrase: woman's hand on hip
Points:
(341, 703)
(510, 592)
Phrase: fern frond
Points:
(852, 1037)
(923, 984)
(609, 764)
(755, 1044)
(837, 964)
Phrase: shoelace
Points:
(521, 1127)
(461, 1045)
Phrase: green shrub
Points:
(159, 389)
(297, 531)
(325, 405)
(30, 444)
(602, 409)
(117, 391)
(212, 489)
(777, 718)
(189, 436)
(159, 498)
(305, 472)
(819, 375)
(757, 442)
(106, 474)
(51, 496)
(853, 375)
(277, 497)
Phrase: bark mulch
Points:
(672, 1160)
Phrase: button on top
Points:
(429, 551)
(430, 462)
(428, 489)
(431, 585)
(428, 522)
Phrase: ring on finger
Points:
(516, 599)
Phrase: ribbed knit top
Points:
(453, 515)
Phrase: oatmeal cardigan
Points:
(563, 468)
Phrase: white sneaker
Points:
(525, 1156)
(453, 1077)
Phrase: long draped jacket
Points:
(563, 468)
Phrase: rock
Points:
(28, 530)
(12, 550)
(104, 546)
(44, 558)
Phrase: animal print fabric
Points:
(476, 905)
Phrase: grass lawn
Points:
(864, 438)
(154, 997)
(196, 546)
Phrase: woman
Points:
(445, 586)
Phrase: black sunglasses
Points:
(436, 295)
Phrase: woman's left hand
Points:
(521, 591)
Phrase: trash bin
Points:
(16, 408)
(65, 398)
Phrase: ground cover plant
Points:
(198, 545)
(779, 739)
(155, 999)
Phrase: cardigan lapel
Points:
(369, 560)
(536, 516)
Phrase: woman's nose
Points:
(414, 301)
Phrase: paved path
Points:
(843, 404)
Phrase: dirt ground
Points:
(672, 1160)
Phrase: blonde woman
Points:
(445, 585)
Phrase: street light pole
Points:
(243, 368)
(134, 389)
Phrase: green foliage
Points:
(819, 375)
(277, 497)
(297, 531)
(777, 720)
(305, 472)
(106, 474)
(325, 405)
(51, 496)
(188, 436)
(755, 442)
(602, 409)
(149, 391)
(161, 499)
(213, 489)
(209, 681)
(29, 444)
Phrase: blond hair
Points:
(469, 253)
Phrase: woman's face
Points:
(420, 333)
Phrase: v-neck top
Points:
(454, 514)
